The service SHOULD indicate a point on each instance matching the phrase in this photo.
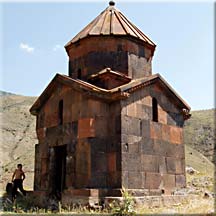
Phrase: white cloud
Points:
(57, 47)
(26, 48)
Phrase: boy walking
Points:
(17, 179)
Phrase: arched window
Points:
(60, 112)
(154, 110)
(79, 74)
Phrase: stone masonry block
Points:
(180, 153)
(44, 150)
(82, 180)
(157, 88)
(114, 179)
(83, 158)
(131, 126)
(147, 101)
(134, 148)
(101, 126)
(180, 181)
(153, 180)
(176, 135)
(99, 162)
(170, 119)
(132, 110)
(149, 163)
(155, 130)
(74, 129)
(162, 116)
(144, 112)
(118, 124)
(98, 144)
(166, 133)
(94, 107)
(130, 139)
(168, 181)
(170, 149)
(98, 180)
(125, 179)
(113, 143)
(134, 162)
(131, 162)
(53, 134)
(175, 119)
(44, 166)
(71, 147)
(111, 157)
(145, 128)
(147, 146)
(134, 180)
(86, 128)
(69, 180)
(180, 166)
(171, 165)
(118, 161)
(162, 165)
(41, 133)
(159, 147)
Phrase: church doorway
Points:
(60, 169)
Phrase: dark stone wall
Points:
(110, 145)
(118, 53)
(96, 61)
(91, 133)
(152, 152)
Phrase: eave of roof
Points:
(117, 93)
(78, 85)
(142, 82)
(108, 71)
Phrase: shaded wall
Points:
(152, 152)
(91, 133)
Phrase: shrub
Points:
(126, 207)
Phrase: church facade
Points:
(110, 123)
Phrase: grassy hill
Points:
(200, 132)
(18, 137)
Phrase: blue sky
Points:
(34, 34)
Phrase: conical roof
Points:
(111, 22)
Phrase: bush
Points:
(126, 207)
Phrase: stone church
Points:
(110, 123)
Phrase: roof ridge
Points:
(111, 21)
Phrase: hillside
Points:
(200, 132)
(18, 137)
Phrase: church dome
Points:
(111, 22)
(110, 41)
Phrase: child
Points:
(17, 179)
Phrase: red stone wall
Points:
(112, 145)
(91, 132)
(152, 152)
(118, 53)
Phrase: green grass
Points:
(199, 162)
(199, 132)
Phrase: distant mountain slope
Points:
(3, 93)
(200, 132)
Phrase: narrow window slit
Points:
(154, 110)
(60, 112)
